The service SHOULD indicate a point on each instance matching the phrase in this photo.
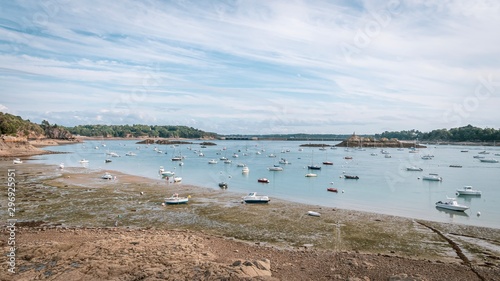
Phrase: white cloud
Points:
(235, 65)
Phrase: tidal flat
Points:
(77, 198)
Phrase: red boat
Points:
(264, 180)
(331, 189)
(327, 163)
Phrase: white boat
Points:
(84, 161)
(17, 161)
(468, 190)
(313, 214)
(483, 152)
(112, 154)
(167, 174)
(311, 175)
(177, 179)
(252, 197)
(384, 151)
(275, 168)
(176, 158)
(387, 156)
(213, 161)
(478, 157)
(432, 177)
(245, 170)
(426, 157)
(130, 153)
(413, 168)
(161, 170)
(284, 161)
(175, 199)
(451, 204)
(107, 176)
(489, 160)
(61, 166)
(240, 165)
(228, 161)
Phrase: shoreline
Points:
(62, 205)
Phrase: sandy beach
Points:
(73, 225)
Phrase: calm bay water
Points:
(384, 186)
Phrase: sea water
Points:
(384, 185)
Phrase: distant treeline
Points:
(124, 131)
(468, 133)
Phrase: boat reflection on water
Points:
(452, 213)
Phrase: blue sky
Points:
(253, 66)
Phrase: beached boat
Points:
(61, 166)
(432, 177)
(17, 161)
(107, 176)
(175, 199)
(413, 168)
(313, 214)
(263, 180)
(223, 185)
(489, 160)
(451, 204)
(252, 197)
(468, 190)
(351, 177)
(311, 175)
(332, 189)
(177, 179)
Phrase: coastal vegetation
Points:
(467, 133)
(136, 130)
(12, 125)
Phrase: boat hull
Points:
(169, 201)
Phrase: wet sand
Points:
(73, 224)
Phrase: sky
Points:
(253, 67)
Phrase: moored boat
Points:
(314, 167)
(311, 175)
(451, 204)
(332, 189)
(327, 163)
(252, 197)
(468, 190)
(17, 161)
(455, 166)
(223, 185)
(213, 161)
(351, 177)
(263, 180)
(432, 177)
(413, 168)
(489, 160)
(175, 199)
(245, 170)
(275, 168)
